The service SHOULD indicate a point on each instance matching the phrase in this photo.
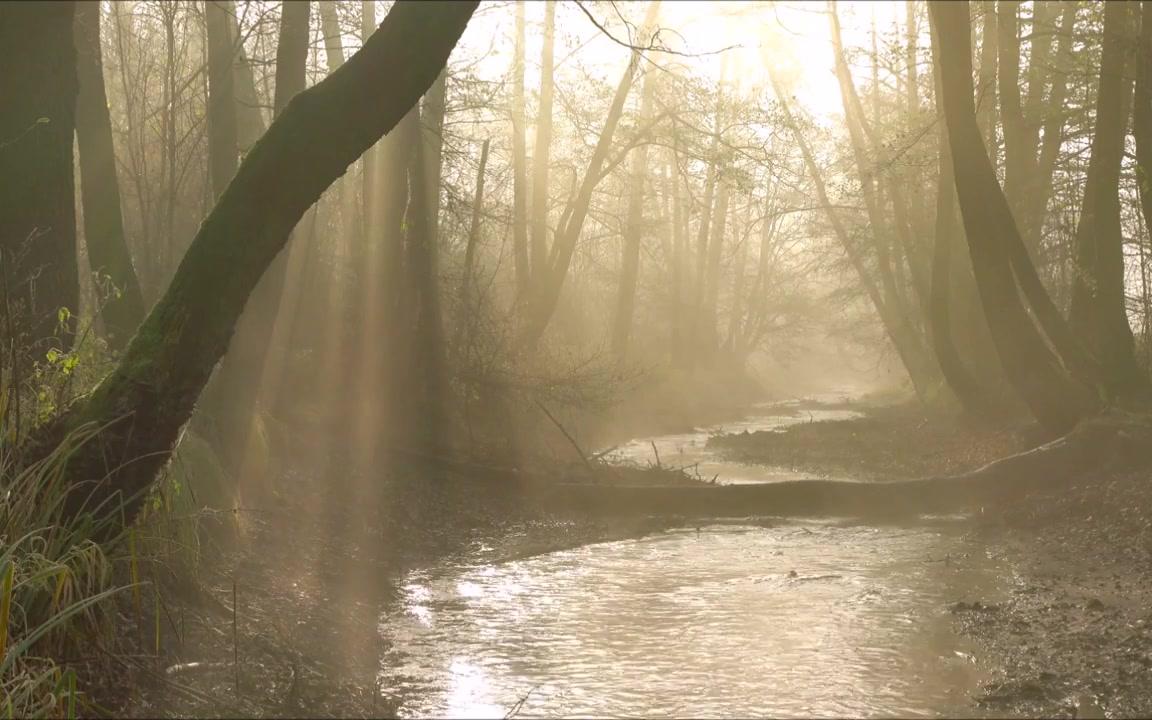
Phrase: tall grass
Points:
(54, 581)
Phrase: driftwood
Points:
(1110, 442)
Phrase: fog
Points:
(372, 358)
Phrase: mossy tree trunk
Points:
(145, 402)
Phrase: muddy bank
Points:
(1074, 636)
(894, 442)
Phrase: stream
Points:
(739, 617)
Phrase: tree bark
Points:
(222, 140)
(37, 214)
(1016, 158)
(473, 241)
(541, 153)
(1041, 190)
(250, 121)
(1099, 313)
(291, 53)
(520, 161)
(1055, 400)
(108, 255)
(708, 312)
(633, 231)
(962, 383)
(143, 404)
(423, 267)
(1142, 114)
(986, 100)
(549, 283)
(333, 36)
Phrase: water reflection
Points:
(794, 619)
(824, 620)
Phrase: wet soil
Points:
(1074, 639)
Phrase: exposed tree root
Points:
(1114, 440)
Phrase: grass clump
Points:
(55, 579)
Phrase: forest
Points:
(446, 358)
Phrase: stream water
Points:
(737, 618)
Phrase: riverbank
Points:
(315, 562)
(1074, 637)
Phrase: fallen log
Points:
(1110, 442)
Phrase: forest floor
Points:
(1074, 637)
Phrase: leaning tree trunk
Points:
(143, 404)
(964, 385)
(37, 215)
(1098, 311)
(1034, 372)
(123, 308)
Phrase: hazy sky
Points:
(794, 34)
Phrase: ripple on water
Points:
(733, 620)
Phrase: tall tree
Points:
(1049, 113)
(541, 153)
(1036, 374)
(369, 161)
(291, 53)
(520, 159)
(222, 138)
(964, 385)
(37, 215)
(1016, 155)
(1099, 312)
(633, 228)
(986, 98)
(142, 405)
(1142, 113)
(108, 255)
(550, 280)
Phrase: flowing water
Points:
(736, 618)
